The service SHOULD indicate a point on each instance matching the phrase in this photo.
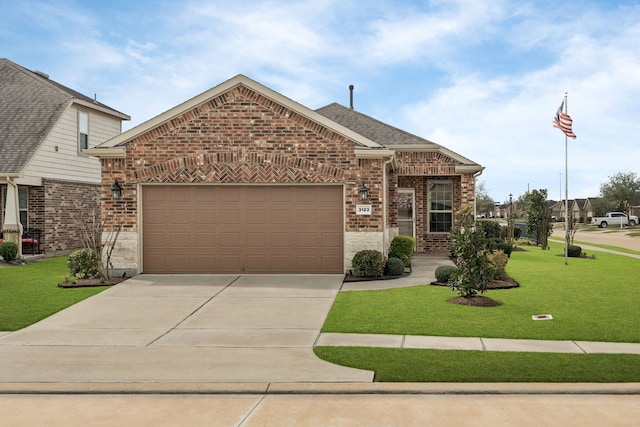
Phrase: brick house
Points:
(241, 179)
(47, 182)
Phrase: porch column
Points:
(11, 227)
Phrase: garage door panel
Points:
(230, 216)
(256, 216)
(331, 240)
(280, 217)
(243, 229)
(204, 216)
(256, 239)
(230, 241)
(179, 240)
(307, 240)
(205, 240)
(281, 240)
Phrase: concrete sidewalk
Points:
(478, 344)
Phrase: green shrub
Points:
(490, 228)
(498, 264)
(368, 263)
(83, 263)
(505, 247)
(8, 251)
(402, 248)
(444, 272)
(394, 267)
(517, 232)
(574, 251)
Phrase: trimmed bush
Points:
(368, 263)
(498, 264)
(83, 263)
(394, 267)
(574, 251)
(444, 272)
(517, 232)
(9, 250)
(505, 247)
(490, 228)
(402, 248)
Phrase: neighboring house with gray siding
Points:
(46, 181)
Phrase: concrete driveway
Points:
(183, 328)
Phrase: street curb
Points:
(321, 388)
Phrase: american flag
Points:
(563, 122)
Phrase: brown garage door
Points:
(242, 229)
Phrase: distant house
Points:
(241, 179)
(578, 209)
(47, 182)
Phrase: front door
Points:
(406, 211)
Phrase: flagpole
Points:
(566, 190)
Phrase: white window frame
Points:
(431, 186)
(83, 130)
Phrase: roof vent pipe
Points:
(351, 96)
(41, 73)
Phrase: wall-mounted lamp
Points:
(116, 190)
(363, 192)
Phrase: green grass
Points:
(597, 245)
(589, 299)
(401, 365)
(30, 293)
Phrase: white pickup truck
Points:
(614, 218)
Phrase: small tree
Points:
(484, 202)
(539, 214)
(94, 238)
(469, 246)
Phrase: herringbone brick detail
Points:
(242, 167)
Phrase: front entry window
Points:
(406, 212)
(440, 206)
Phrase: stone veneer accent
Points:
(357, 241)
(125, 254)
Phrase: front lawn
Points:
(414, 365)
(589, 299)
(30, 293)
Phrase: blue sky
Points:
(482, 78)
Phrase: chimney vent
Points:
(41, 73)
(351, 96)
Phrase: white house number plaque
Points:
(363, 209)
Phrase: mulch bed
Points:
(480, 300)
(90, 283)
(477, 301)
(506, 283)
(352, 278)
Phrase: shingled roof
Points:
(387, 135)
(30, 105)
(373, 129)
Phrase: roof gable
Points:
(30, 106)
(114, 147)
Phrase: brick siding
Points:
(66, 204)
(241, 137)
